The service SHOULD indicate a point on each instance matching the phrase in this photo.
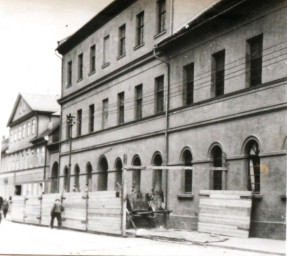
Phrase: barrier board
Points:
(225, 212)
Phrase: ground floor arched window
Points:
(89, 171)
(216, 155)
(119, 172)
(187, 161)
(252, 150)
(76, 179)
(103, 174)
(136, 178)
(66, 179)
(55, 178)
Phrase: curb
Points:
(211, 244)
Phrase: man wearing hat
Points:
(56, 212)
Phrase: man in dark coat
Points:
(56, 212)
(1, 202)
(5, 207)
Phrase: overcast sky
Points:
(29, 31)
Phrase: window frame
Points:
(80, 66)
(105, 113)
(218, 73)
(139, 29)
(69, 73)
(252, 77)
(106, 48)
(161, 16)
(188, 85)
(138, 101)
(91, 118)
(159, 94)
(122, 41)
(93, 58)
(121, 108)
(79, 122)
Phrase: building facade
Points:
(211, 96)
(24, 155)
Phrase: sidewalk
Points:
(259, 245)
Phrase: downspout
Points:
(167, 102)
(172, 16)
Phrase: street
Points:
(28, 239)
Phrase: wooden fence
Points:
(225, 212)
(96, 212)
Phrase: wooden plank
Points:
(225, 212)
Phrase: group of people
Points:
(4, 207)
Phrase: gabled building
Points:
(24, 156)
(211, 96)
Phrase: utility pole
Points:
(70, 123)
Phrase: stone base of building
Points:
(268, 230)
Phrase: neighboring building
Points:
(214, 99)
(24, 156)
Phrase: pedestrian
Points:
(56, 212)
(5, 208)
(1, 202)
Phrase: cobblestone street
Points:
(28, 239)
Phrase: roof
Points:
(213, 11)
(94, 24)
(47, 132)
(37, 102)
(41, 102)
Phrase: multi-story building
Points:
(211, 96)
(24, 156)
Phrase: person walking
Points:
(56, 212)
(5, 208)
(1, 202)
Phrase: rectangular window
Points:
(105, 113)
(159, 94)
(218, 62)
(121, 108)
(138, 101)
(122, 40)
(93, 58)
(254, 60)
(161, 16)
(69, 130)
(106, 55)
(80, 66)
(79, 122)
(91, 117)
(33, 126)
(69, 73)
(188, 83)
(140, 29)
(29, 129)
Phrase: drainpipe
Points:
(167, 102)
(171, 16)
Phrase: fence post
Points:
(124, 196)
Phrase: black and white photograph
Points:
(143, 127)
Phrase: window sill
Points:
(69, 85)
(138, 46)
(121, 56)
(257, 196)
(159, 34)
(283, 197)
(79, 80)
(185, 196)
(106, 64)
(92, 72)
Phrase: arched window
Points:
(55, 178)
(66, 179)
(187, 161)
(89, 176)
(157, 182)
(252, 150)
(119, 171)
(216, 155)
(136, 175)
(77, 179)
(103, 175)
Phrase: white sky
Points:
(29, 31)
